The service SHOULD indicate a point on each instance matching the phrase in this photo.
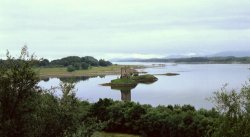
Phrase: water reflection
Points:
(45, 79)
(193, 86)
(74, 79)
(126, 95)
(125, 92)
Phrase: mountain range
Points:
(219, 54)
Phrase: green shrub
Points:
(104, 63)
(71, 68)
(77, 66)
(84, 65)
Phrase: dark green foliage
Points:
(90, 60)
(187, 108)
(77, 66)
(66, 61)
(74, 79)
(235, 113)
(89, 127)
(84, 65)
(129, 117)
(104, 63)
(18, 94)
(71, 68)
(44, 62)
(28, 111)
(1, 61)
(75, 61)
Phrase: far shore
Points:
(93, 71)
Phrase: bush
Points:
(44, 62)
(77, 66)
(71, 68)
(19, 96)
(104, 63)
(90, 60)
(28, 111)
(234, 107)
(84, 65)
(161, 121)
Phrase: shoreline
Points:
(94, 71)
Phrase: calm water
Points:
(194, 84)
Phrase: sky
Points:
(124, 28)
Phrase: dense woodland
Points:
(26, 110)
(71, 62)
(212, 60)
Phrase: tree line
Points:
(74, 63)
(212, 60)
(71, 62)
(26, 110)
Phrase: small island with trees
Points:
(130, 78)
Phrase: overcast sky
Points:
(124, 28)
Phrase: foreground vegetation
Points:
(26, 110)
(105, 134)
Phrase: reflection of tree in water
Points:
(102, 76)
(45, 79)
(125, 92)
(126, 95)
(74, 79)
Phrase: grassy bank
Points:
(94, 71)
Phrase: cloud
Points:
(150, 27)
(129, 55)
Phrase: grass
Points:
(123, 84)
(145, 78)
(93, 71)
(134, 80)
(124, 81)
(105, 134)
(131, 82)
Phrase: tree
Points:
(84, 65)
(90, 60)
(104, 63)
(77, 66)
(28, 111)
(1, 61)
(70, 60)
(234, 108)
(44, 62)
(18, 96)
(71, 68)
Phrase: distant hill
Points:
(232, 53)
(123, 59)
(197, 60)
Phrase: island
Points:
(130, 78)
